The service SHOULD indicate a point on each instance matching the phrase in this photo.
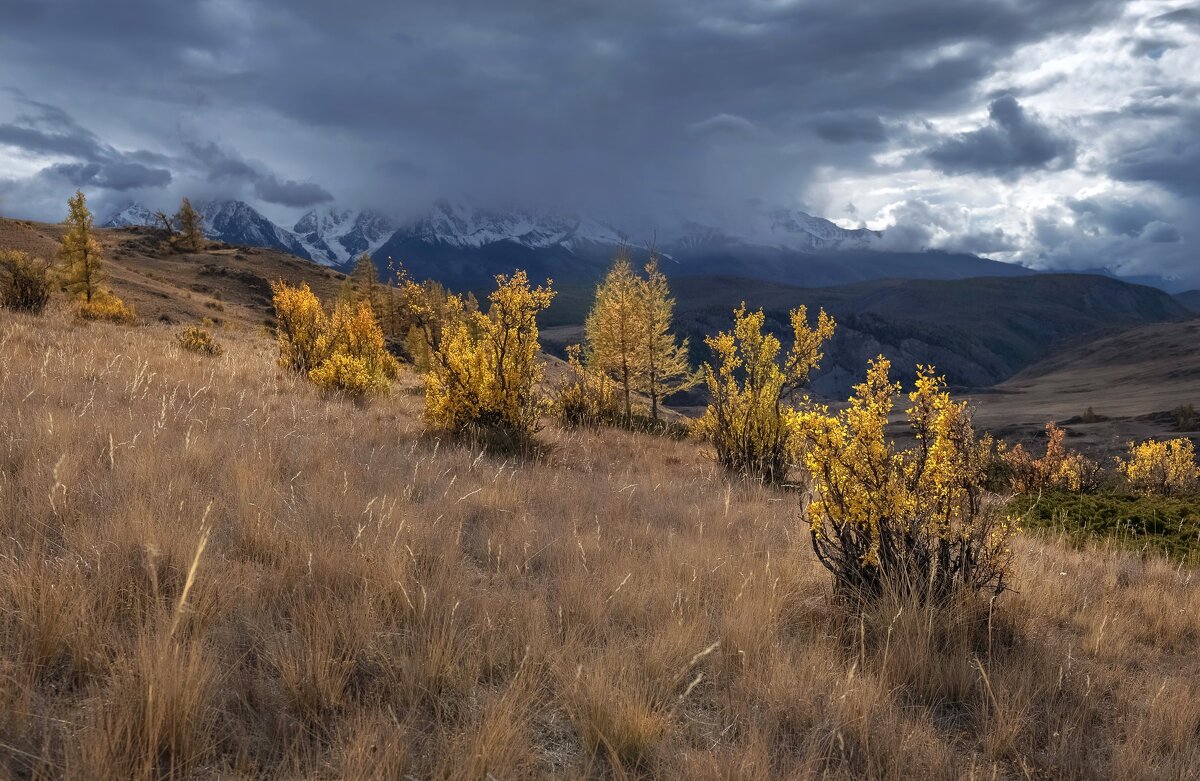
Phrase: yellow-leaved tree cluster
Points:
(630, 348)
(1158, 466)
(341, 351)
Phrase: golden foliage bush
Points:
(918, 520)
(1161, 466)
(747, 420)
(200, 340)
(484, 369)
(25, 283)
(344, 352)
(1058, 468)
(301, 323)
(587, 397)
(106, 306)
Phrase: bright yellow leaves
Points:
(747, 420)
(484, 369)
(344, 352)
(918, 519)
(1165, 467)
(630, 336)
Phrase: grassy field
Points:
(207, 570)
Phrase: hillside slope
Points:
(977, 331)
(1132, 381)
(208, 570)
(223, 283)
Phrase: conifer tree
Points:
(613, 330)
(664, 360)
(81, 252)
(366, 283)
(191, 226)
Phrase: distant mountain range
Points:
(464, 246)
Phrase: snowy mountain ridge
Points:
(335, 236)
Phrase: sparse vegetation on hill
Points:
(274, 583)
(208, 569)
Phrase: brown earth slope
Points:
(229, 285)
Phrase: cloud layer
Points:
(1037, 131)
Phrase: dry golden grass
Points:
(208, 570)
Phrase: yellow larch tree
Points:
(81, 253)
(191, 226)
(613, 329)
(664, 360)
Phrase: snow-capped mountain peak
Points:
(800, 230)
(460, 225)
(337, 236)
(130, 215)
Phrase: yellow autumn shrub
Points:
(746, 420)
(357, 361)
(1161, 466)
(105, 306)
(200, 340)
(1057, 469)
(916, 519)
(301, 324)
(484, 369)
(342, 352)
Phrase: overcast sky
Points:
(1060, 133)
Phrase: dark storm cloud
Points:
(535, 97)
(224, 166)
(622, 104)
(120, 176)
(1011, 144)
(1180, 16)
(1170, 160)
(850, 128)
(290, 193)
(1113, 215)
